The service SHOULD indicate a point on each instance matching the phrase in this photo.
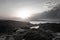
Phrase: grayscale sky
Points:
(8, 8)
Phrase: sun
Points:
(23, 13)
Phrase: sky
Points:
(8, 8)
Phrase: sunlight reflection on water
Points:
(37, 22)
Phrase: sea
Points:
(37, 22)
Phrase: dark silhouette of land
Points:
(44, 32)
(8, 26)
(51, 26)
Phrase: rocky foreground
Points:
(16, 30)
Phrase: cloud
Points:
(54, 13)
(8, 6)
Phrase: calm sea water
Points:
(37, 22)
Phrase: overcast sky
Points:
(8, 7)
